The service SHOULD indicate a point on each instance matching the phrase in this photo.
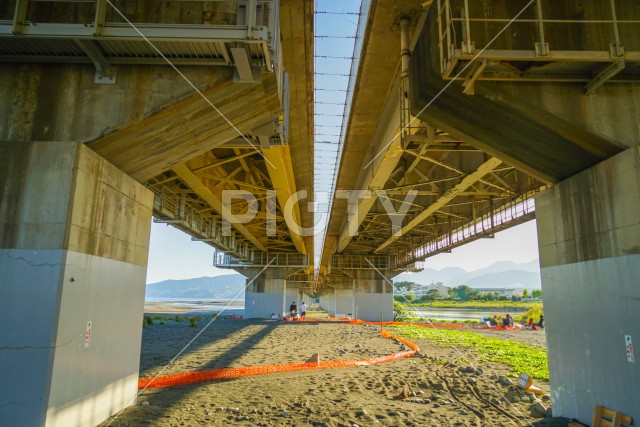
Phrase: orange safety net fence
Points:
(186, 378)
(329, 319)
(443, 325)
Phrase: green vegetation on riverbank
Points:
(484, 305)
(521, 311)
(521, 357)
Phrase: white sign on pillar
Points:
(87, 334)
(629, 346)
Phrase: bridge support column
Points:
(344, 301)
(328, 302)
(589, 237)
(374, 296)
(369, 298)
(74, 235)
(267, 292)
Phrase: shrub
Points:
(193, 322)
(146, 321)
(400, 312)
(534, 312)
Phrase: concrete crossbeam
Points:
(179, 132)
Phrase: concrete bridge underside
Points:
(488, 116)
(99, 133)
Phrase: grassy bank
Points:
(483, 305)
(521, 311)
(521, 357)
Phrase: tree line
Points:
(460, 293)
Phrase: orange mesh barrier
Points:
(217, 374)
(439, 325)
(327, 319)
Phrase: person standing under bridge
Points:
(293, 310)
(303, 310)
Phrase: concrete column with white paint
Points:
(74, 235)
(267, 292)
(328, 302)
(368, 296)
(589, 238)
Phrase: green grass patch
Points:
(485, 305)
(521, 357)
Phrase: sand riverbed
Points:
(441, 393)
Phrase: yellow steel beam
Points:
(280, 168)
(207, 195)
(452, 193)
(380, 176)
(327, 250)
(237, 157)
(382, 167)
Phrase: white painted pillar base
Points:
(344, 302)
(328, 303)
(374, 307)
(73, 252)
(261, 305)
(589, 238)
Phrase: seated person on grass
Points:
(494, 321)
(507, 321)
(540, 324)
(531, 325)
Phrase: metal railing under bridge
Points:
(242, 33)
(173, 208)
(261, 259)
(508, 214)
(544, 41)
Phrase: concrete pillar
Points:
(589, 237)
(266, 292)
(373, 295)
(74, 235)
(344, 302)
(294, 293)
(328, 302)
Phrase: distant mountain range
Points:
(218, 287)
(502, 274)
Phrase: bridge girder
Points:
(187, 133)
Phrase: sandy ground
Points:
(441, 393)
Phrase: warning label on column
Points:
(629, 345)
(87, 335)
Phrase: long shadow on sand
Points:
(161, 343)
